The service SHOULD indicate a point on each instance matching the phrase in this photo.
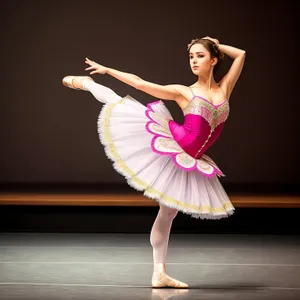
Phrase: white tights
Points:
(101, 92)
(160, 232)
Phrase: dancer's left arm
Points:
(231, 77)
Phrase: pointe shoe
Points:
(68, 82)
(161, 280)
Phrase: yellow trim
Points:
(121, 167)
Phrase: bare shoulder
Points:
(165, 92)
(180, 88)
(184, 94)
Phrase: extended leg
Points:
(86, 83)
(101, 92)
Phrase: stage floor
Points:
(118, 266)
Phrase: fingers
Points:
(89, 62)
(212, 39)
(93, 69)
(93, 72)
(93, 66)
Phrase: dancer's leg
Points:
(160, 233)
(159, 239)
(101, 92)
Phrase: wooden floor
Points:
(98, 199)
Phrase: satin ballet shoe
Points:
(68, 82)
(164, 281)
(160, 279)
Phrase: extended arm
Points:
(166, 92)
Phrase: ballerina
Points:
(160, 157)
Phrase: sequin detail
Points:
(210, 133)
(213, 115)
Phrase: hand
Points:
(213, 40)
(97, 68)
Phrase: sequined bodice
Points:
(203, 123)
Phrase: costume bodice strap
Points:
(192, 91)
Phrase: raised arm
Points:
(231, 77)
(229, 80)
(166, 92)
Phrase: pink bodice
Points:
(203, 123)
(187, 143)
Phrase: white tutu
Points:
(122, 131)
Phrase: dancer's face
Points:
(200, 59)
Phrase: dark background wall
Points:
(48, 132)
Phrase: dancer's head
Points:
(204, 55)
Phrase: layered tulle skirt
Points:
(137, 139)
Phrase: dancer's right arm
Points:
(166, 92)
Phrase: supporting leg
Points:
(159, 239)
(160, 233)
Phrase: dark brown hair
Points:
(212, 48)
